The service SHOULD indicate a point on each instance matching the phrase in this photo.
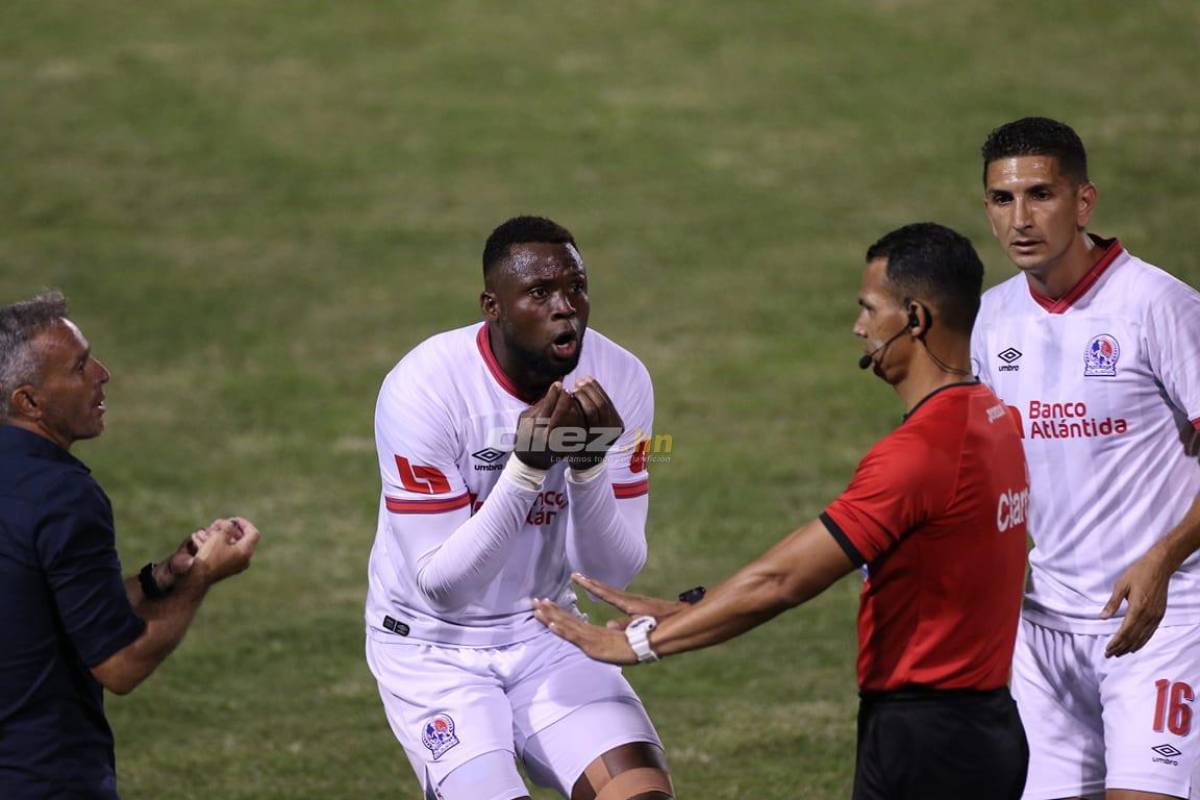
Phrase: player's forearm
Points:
(451, 575)
(608, 536)
(1184, 538)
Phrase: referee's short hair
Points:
(20, 323)
(929, 261)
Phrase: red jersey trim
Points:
(1196, 423)
(489, 358)
(398, 505)
(625, 491)
(1083, 285)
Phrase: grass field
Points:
(257, 208)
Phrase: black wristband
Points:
(692, 596)
(150, 587)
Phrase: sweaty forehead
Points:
(1023, 170)
(530, 260)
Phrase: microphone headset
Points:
(914, 321)
(866, 359)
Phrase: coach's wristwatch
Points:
(638, 634)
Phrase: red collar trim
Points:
(1085, 283)
(489, 358)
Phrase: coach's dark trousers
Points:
(924, 744)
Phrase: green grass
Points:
(257, 208)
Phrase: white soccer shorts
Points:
(449, 705)
(1095, 722)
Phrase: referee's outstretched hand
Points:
(1144, 586)
(601, 644)
(634, 605)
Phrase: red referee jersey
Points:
(936, 510)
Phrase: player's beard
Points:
(542, 365)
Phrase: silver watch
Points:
(638, 635)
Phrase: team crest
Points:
(438, 735)
(1100, 358)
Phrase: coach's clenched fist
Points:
(228, 545)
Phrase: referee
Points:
(935, 515)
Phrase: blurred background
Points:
(257, 208)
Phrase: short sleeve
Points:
(899, 485)
(1172, 336)
(417, 448)
(76, 546)
(628, 457)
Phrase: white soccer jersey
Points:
(1105, 384)
(445, 425)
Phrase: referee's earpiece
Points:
(914, 318)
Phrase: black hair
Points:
(927, 260)
(1038, 136)
(522, 230)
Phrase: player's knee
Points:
(636, 771)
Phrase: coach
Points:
(69, 623)
(936, 514)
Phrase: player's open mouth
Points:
(565, 344)
(1025, 244)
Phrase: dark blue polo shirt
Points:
(63, 609)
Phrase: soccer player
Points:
(935, 512)
(1098, 354)
(480, 512)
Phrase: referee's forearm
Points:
(797, 568)
(745, 601)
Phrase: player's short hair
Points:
(1038, 136)
(20, 323)
(929, 261)
(522, 230)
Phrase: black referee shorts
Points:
(940, 745)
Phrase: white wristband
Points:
(522, 474)
(587, 475)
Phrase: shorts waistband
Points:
(917, 694)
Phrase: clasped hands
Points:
(211, 554)
(577, 427)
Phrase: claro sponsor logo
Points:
(1070, 420)
(1012, 509)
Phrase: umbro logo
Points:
(490, 457)
(1008, 356)
(1167, 750)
